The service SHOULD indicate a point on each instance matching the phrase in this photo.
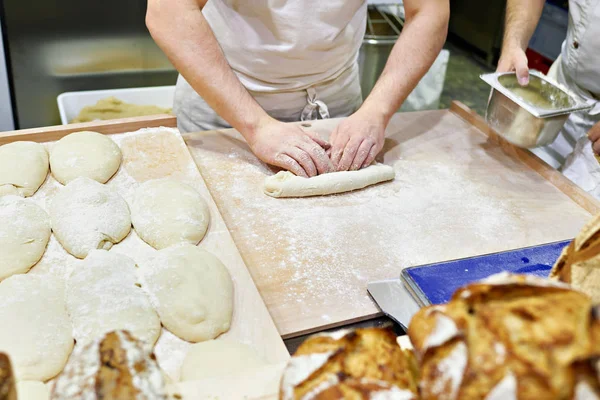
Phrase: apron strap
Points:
(314, 108)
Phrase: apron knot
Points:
(314, 108)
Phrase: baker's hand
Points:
(290, 147)
(356, 141)
(514, 59)
(594, 135)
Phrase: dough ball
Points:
(36, 331)
(24, 234)
(191, 290)
(84, 154)
(165, 212)
(217, 358)
(104, 294)
(87, 215)
(23, 168)
(32, 390)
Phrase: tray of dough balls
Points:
(107, 241)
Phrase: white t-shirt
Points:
(288, 45)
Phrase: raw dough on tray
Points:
(87, 215)
(165, 212)
(286, 184)
(23, 168)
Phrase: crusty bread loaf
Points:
(8, 387)
(362, 364)
(509, 337)
(579, 263)
(116, 367)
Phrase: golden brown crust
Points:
(8, 388)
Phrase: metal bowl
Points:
(529, 116)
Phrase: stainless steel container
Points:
(529, 116)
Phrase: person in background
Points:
(577, 68)
(253, 64)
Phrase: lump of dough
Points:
(23, 168)
(103, 294)
(191, 290)
(286, 184)
(36, 331)
(24, 234)
(32, 390)
(165, 212)
(87, 215)
(84, 154)
(217, 358)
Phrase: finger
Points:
(288, 163)
(303, 159)
(314, 136)
(504, 65)
(594, 133)
(596, 147)
(522, 70)
(371, 156)
(361, 154)
(337, 150)
(318, 156)
(349, 154)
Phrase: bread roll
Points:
(509, 337)
(362, 364)
(579, 263)
(8, 387)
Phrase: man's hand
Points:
(594, 135)
(514, 59)
(356, 141)
(292, 148)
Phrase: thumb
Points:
(522, 71)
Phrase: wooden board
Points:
(457, 193)
(156, 153)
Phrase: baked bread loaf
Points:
(8, 387)
(116, 367)
(361, 364)
(509, 337)
(579, 263)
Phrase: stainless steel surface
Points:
(383, 28)
(394, 300)
(6, 112)
(71, 45)
(532, 116)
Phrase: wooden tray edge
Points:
(562, 183)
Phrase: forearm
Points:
(522, 17)
(417, 47)
(184, 35)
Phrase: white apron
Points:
(297, 58)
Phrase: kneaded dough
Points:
(217, 358)
(32, 390)
(286, 184)
(87, 215)
(165, 212)
(103, 294)
(191, 290)
(36, 331)
(84, 154)
(23, 168)
(24, 234)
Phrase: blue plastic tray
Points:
(435, 283)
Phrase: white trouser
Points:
(337, 98)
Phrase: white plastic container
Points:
(71, 103)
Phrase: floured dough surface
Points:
(87, 215)
(286, 184)
(32, 390)
(23, 168)
(36, 331)
(84, 154)
(165, 212)
(24, 234)
(191, 290)
(216, 358)
(103, 294)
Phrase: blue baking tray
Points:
(435, 283)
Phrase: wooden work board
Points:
(459, 191)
